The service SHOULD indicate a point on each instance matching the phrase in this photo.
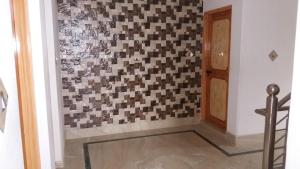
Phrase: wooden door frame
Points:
(205, 61)
(24, 75)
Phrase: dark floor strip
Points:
(87, 160)
(211, 143)
(128, 138)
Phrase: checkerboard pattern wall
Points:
(129, 60)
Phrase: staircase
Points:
(275, 137)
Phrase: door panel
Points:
(218, 98)
(216, 69)
(220, 43)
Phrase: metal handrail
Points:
(273, 106)
(284, 100)
(264, 110)
(281, 106)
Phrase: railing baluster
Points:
(277, 158)
(280, 138)
(270, 126)
(278, 166)
(273, 106)
(285, 140)
(282, 119)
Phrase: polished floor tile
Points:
(174, 148)
(170, 151)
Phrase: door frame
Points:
(24, 75)
(204, 66)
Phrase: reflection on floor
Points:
(190, 147)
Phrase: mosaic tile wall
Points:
(129, 60)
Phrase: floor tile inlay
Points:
(171, 150)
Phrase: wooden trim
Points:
(25, 85)
(222, 9)
(205, 62)
(204, 68)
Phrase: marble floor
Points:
(189, 147)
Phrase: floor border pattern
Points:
(87, 156)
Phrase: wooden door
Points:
(24, 76)
(216, 69)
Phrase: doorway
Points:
(215, 65)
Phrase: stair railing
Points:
(273, 106)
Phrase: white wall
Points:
(54, 79)
(293, 146)
(41, 82)
(267, 25)
(261, 26)
(11, 154)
